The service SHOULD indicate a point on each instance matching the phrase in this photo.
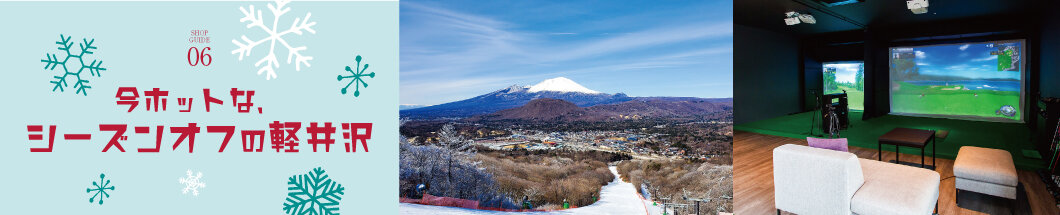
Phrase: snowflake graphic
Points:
(357, 76)
(269, 63)
(100, 188)
(192, 183)
(313, 193)
(73, 69)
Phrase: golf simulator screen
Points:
(975, 81)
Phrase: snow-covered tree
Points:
(448, 169)
(459, 149)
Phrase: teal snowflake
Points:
(94, 68)
(358, 77)
(100, 188)
(313, 193)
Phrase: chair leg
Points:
(957, 197)
(1014, 205)
(879, 152)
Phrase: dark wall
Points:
(877, 77)
(1049, 54)
(766, 78)
(813, 79)
(1048, 77)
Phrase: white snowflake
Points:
(192, 183)
(269, 63)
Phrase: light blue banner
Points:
(146, 45)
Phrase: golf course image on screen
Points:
(978, 81)
(846, 77)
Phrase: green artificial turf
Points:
(953, 100)
(1013, 137)
(855, 98)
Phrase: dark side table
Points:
(908, 137)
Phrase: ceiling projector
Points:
(917, 6)
(794, 18)
(807, 18)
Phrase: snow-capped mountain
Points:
(560, 84)
(516, 96)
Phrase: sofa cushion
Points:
(895, 189)
(988, 188)
(838, 144)
(985, 165)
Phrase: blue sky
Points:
(972, 60)
(846, 72)
(453, 50)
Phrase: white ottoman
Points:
(986, 171)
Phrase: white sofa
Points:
(809, 180)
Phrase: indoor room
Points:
(950, 107)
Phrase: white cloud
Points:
(957, 67)
(845, 72)
(965, 46)
(639, 39)
(920, 54)
(966, 68)
(481, 53)
(992, 57)
(922, 64)
(845, 67)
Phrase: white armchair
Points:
(809, 180)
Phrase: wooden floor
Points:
(753, 176)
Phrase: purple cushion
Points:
(838, 144)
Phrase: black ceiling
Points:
(769, 14)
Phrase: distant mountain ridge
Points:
(537, 109)
(562, 89)
(546, 109)
(516, 96)
(923, 77)
(409, 106)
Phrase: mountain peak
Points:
(560, 84)
(513, 89)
